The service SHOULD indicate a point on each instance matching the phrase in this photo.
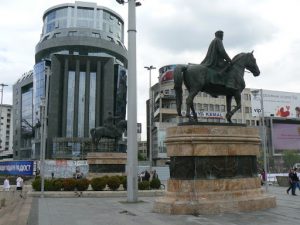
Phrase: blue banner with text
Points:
(22, 168)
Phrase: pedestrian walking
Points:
(19, 184)
(6, 185)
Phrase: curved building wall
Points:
(82, 29)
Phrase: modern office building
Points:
(282, 111)
(6, 135)
(80, 72)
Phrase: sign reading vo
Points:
(24, 168)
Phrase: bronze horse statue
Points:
(114, 132)
(230, 83)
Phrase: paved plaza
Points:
(115, 211)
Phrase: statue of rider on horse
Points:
(112, 128)
(216, 75)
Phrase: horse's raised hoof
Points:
(228, 117)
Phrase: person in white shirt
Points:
(19, 184)
(6, 185)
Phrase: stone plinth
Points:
(213, 170)
(106, 163)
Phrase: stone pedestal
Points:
(213, 170)
(106, 163)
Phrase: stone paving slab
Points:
(116, 211)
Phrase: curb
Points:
(93, 194)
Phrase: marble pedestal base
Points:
(106, 163)
(213, 170)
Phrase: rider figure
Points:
(109, 122)
(216, 56)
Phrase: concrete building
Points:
(6, 132)
(210, 109)
(81, 60)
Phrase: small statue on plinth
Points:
(110, 130)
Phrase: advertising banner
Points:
(22, 168)
(166, 73)
(65, 168)
(276, 103)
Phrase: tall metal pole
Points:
(264, 138)
(150, 68)
(44, 116)
(42, 147)
(1, 90)
(132, 107)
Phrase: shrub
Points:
(123, 180)
(144, 185)
(58, 184)
(69, 184)
(98, 183)
(48, 185)
(82, 184)
(155, 183)
(113, 183)
(36, 184)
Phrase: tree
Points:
(290, 158)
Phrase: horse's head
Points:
(251, 64)
(122, 124)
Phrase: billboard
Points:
(276, 103)
(21, 168)
(285, 135)
(166, 73)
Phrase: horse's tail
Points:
(178, 79)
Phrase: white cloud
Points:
(174, 31)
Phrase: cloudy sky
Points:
(171, 32)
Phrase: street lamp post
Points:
(150, 68)
(44, 117)
(132, 104)
(255, 94)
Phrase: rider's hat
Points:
(219, 33)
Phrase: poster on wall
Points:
(276, 103)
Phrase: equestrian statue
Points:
(216, 75)
(110, 130)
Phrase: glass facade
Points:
(70, 103)
(121, 93)
(26, 113)
(92, 103)
(38, 88)
(84, 17)
(81, 104)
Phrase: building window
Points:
(72, 33)
(96, 35)
(70, 103)
(81, 104)
(92, 104)
(217, 108)
(222, 108)
(211, 107)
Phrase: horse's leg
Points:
(190, 104)
(228, 108)
(237, 97)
